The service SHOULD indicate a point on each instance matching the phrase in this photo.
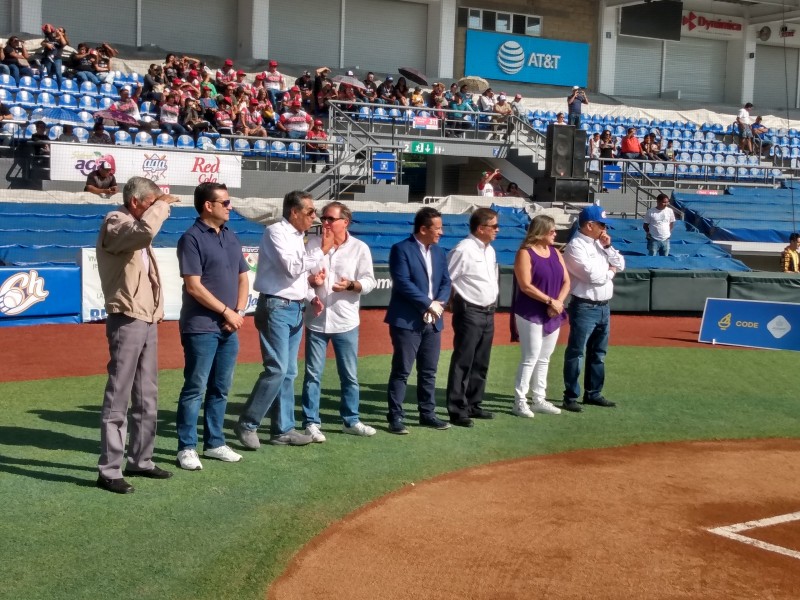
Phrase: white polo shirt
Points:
(473, 271)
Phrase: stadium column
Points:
(28, 15)
(253, 35)
(441, 38)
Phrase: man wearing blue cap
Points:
(592, 263)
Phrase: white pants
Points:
(535, 361)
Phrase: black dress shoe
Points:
(462, 421)
(571, 405)
(435, 423)
(118, 486)
(600, 401)
(479, 413)
(397, 427)
(154, 473)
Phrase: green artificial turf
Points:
(227, 531)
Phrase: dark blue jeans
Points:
(210, 359)
(280, 329)
(589, 326)
(52, 67)
(423, 348)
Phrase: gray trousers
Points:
(132, 378)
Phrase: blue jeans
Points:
(17, 72)
(657, 247)
(175, 129)
(574, 119)
(210, 359)
(345, 348)
(589, 326)
(4, 70)
(84, 76)
(52, 66)
(275, 98)
(280, 329)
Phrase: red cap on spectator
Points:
(193, 73)
(253, 102)
(261, 77)
(176, 81)
(294, 88)
(228, 62)
(273, 63)
(226, 99)
(239, 73)
(297, 102)
(318, 122)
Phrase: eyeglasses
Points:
(309, 212)
(602, 225)
(331, 219)
(495, 226)
(225, 203)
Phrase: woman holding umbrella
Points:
(401, 92)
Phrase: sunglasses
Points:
(309, 212)
(495, 226)
(225, 203)
(331, 219)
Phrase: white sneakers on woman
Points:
(521, 408)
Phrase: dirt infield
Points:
(619, 523)
(47, 351)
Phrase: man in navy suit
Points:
(420, 289)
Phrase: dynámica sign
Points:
(526, 59)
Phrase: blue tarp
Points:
(743, 214)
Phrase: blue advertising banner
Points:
(39, 295)
(526, 59)
(752, 324)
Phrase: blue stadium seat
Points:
(260, 147)
(7, 82)
(205, 143)
(697, 157)
(148, 109)
(88, 89)
(719, 171)
(68, 101)
(104, 102)
(122, 138)
(87, 103)
(54, 131)
(143, 138)
(684, 157)
(223, 144)
(68, 86)
(277, 150)
(242, 145)
(708, 157)
(86, 118)
(185, 142)
(46, 99)
(294, 150)
(19, 113)
(5, 96)
(164, 140)
(28, 83)
(82, 134)
(49, 85)
(108, 90)
(25, 99)
(730, 172)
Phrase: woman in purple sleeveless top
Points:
(541, 284)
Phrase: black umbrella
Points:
(414, 75)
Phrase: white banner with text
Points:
(73, 162)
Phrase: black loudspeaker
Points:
(579, 155)
(561, 189)
(565, 151)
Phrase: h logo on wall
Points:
(526, 59)
(21, 291)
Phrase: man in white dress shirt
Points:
(344, 274)
(284, 264)
(592, 263)
(473, 272)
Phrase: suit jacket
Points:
(409, 299)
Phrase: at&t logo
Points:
(21, 291)
(511, 58)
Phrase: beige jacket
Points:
(126, 286)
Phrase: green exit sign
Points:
(422, 148)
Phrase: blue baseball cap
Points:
(593, 213)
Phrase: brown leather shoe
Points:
(118, 486)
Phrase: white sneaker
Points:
(188, 459)
(521, 410)
(223, 453)
(359, 429)
(545, 407)
(315, 433)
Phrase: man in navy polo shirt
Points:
(215, 291)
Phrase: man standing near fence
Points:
(659, 220)
(474, 276)
(134, 301)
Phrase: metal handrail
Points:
(524, 135)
